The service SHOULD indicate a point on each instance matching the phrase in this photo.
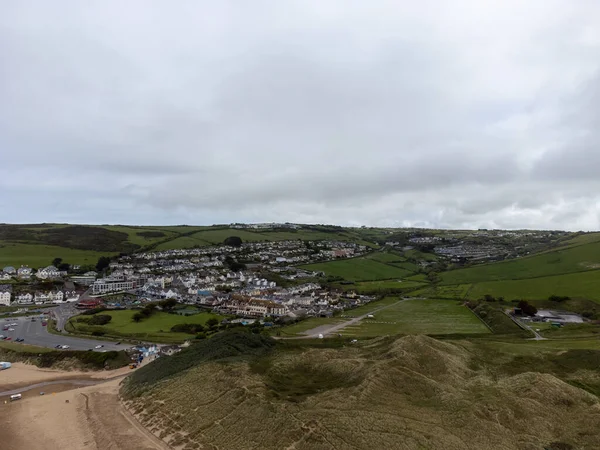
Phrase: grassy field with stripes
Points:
(419, 317)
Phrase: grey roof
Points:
(5, 288)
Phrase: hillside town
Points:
(252, 280)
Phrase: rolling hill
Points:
(408, 393)
(37, 245)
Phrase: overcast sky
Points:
(460, 114)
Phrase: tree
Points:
(56, 262)
(212, 322)
(64, 267)
(233, 241)
(527, 308)
(137, 317)
(103, 263)
(168, 304)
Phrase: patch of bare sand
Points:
(79, 419)
(21, 374)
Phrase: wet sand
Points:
(83, 418)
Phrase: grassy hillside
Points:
(411, 393)
(367, 268)
(37, 245)
(571, 270)
(574, 259)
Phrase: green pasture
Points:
(581, 284)
(359, 269)
(156, 327)
(419, 317)
(558, 262)
(39, 255)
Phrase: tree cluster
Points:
(559, 298)
(100, 319)
(527, 308)
(145, 312)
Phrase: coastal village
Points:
(251, 280)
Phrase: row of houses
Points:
(37, 297)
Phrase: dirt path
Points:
(89, 418)
(334, 328)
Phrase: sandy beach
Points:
(21, 374)
(84, 418)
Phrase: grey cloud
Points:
(347, 113)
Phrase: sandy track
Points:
(89, 418)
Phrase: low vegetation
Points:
(43, 357)
(414, 391)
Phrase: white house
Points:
(24, 272)
(5, 276)
(48, 273)
(24, 298)
(70, 295)
(9, 270)
(5, 294)
(48, 297)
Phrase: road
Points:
(334, 328)
(36, 334)
(537, 336)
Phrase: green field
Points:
(582, 284)
(419, 317)
(155, 328)
(374, 286)
(574, 259)
(359, 269)
(35, 255)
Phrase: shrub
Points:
(99, 319)
(98, 333)
(559, 298)
(190, 328)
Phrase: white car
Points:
(11, 329)
(99, 346)
(64, 347)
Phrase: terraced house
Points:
(5, 294)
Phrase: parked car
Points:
(99, 346)
(58, 346)
(20, 339)
(65, 347)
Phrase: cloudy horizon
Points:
(459, 114)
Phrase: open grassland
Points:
(419, 317)
(181, 242)
(582, 284)
(143, 236)
(558, 262)
(408, 393)
(457, 292)
(377, 286)
(37, 255)
(359, 269)
(155, 328)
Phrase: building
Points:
(106, 286)
(83, 279)
(9, 270)
(89, 304)
(47, 273)
(24, 298)
(5, 294)
(24, 272)
(49, 297)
